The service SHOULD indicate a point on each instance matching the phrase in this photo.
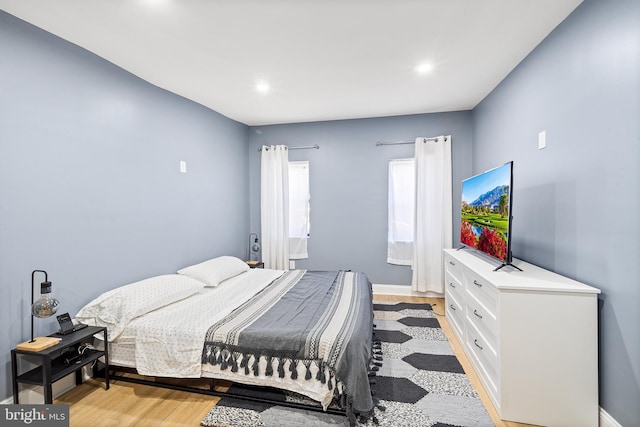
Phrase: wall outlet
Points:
(183, 166)
(292, 265)
(542, 139)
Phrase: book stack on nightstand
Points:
(255, 264)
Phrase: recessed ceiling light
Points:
(424, 68)
(156, 3)
(262, 86)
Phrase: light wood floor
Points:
(128, 404)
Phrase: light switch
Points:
(542, 139)
(183, 166)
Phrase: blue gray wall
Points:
(348, 183)
(576, 202)
(90, 188)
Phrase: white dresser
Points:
(531, 335)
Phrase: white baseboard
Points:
(607, 420)
(402, 290)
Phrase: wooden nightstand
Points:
(59, 361)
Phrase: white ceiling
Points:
(324, 59)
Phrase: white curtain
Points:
(298, 209)
(401, 211)
(433, 226)
(274, 206)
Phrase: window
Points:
(401, 214)
(299, 209)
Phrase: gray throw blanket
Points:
(322, 320)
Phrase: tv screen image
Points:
(486, 212)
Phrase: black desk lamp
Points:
(44, 307)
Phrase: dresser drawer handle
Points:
(478, 284)
(452, 307)
(476, 313)
(452, 263)
(452, 285)
(478, 345)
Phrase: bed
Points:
(304, 331)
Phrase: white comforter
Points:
(168, 341)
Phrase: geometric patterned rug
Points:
(421, 383)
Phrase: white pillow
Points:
(216, 270)
(117, 307)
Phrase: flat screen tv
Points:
(486, 212)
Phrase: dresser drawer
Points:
(455, 314)
(453, 286)
(484, 356)
(483, 319)
(483, 291)
(453, 267)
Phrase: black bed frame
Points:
(211, 391)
